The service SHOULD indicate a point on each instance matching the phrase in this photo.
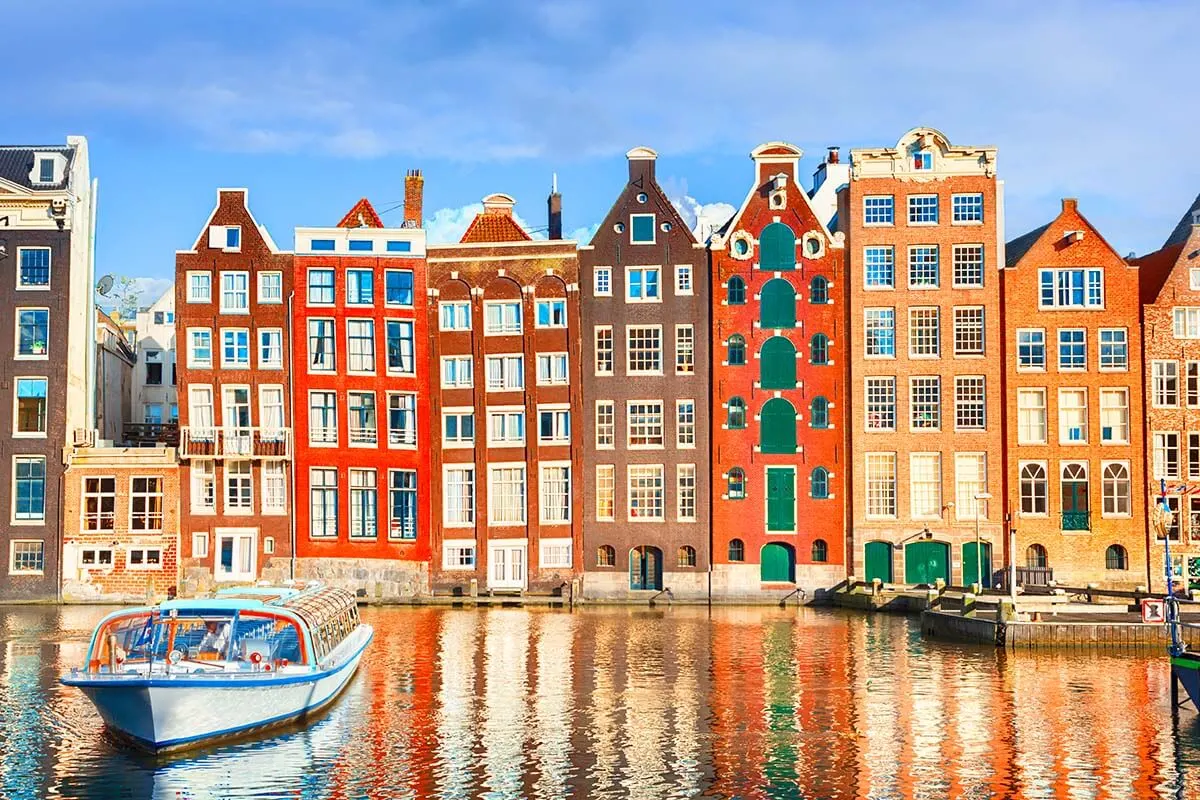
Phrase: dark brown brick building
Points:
(645, 433)
(504, 320)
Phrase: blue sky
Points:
(315, 103)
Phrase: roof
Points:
(1184, 228)
(495, 223)
(361, 216)
(1156, 267)
(16, 164)
(1015, 250)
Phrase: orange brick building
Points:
(778, 390)
(1171, 322)
(1073, 371)
(120, 524)
(923, 222)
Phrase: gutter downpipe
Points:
(292, 460)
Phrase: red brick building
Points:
(1170, 293)
(778, 390)
(121, 524)
(231, 316)
(1074, 440)
(923, 222)
(360, 347)
(504, 325)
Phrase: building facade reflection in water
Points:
(638, 703)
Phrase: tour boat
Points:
(189, 672)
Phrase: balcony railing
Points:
(151, 434)
(1033, 576)
(402, 436)
(267, 444)
(1076, 520)
(364, 434)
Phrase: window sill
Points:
(31, 357)
(967, 223)
(26, 573)
(45, 288)
(28, 435)
(28, 523)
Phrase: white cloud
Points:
(447, 225)
(150, 290)
(701, 218)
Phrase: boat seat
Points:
(251, 646)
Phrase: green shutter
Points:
(778, 427)
(969, 564)
(878, 561)
(777, 364)
(777, 248)
(777, 304)
(925, 562)
(781, 498)
(778, 564)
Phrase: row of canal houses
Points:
(861, 377)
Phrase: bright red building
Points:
(361, 388)
(778, 383)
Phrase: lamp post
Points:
(982, 496)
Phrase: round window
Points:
(666, 227)
(814, 246)
(642, 197)
(619, 227)
(740, 247)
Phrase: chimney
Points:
(414, 191)
(1070, 204)
(1196, 216)
(554, 209)
(641, 164)
(834, 156)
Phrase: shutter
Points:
(777, 364)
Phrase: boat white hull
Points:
(174, 712)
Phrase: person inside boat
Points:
(216, 637)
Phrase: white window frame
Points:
(643, 269)
(611, 350)
(630, 470)
(607, 273)
(685, 432)
(495, 518)
(237, 365)
(459, 360)
(552, 302)
(563, 518)
(650, 403)
(685, 280)
(458, 441)
(192, 295)
(263, 350)
(453, 307)
(505, 329)
(199, 544)
(193, 361)
(550, 545)
(450, 517)
(1063, 428)
(506, 413)
(557, 412)
(505, 359)
(606, 491)
(233, 274)
(608, 427)
(452, 552)
(629, 351)
(145, 550)
(551, 360)
(683, 474)
(263, 297)
(20, 287)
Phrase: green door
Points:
(777, 364)
(777, 303)
(925, 562)
(879, 561)
(781, 498)
(778, 427)
(778, 564)
(970, 564)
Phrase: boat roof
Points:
(235, 599)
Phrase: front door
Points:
(925, 562)
(506, 565)
(878, 558)
(971, 565)
(237, 552)
(781, 499)
(645, 568)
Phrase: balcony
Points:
(1076, 520)
(266, 444)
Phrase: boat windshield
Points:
(217, 636)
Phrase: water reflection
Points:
(635, 703)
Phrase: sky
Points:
(312, 104)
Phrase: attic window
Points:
(922, 159)
(225, 237)
(361, 245)
(641, 228)
(642, 197)
(399, 247)
(46, 170)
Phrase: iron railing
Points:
(267, 444)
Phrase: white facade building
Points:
(155, 398)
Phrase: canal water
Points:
(638, 703)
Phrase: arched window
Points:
(606, 556)
(777, 303)
(1075, 508)
(820, 551)
(777, 364)
(735, 350)
(818, 413)
(1116, 490)
(687, 556)
(818, 349)
(735, 486)
(1034, 489)
(1115, 557)
(778, 427)
(776, 248)
(735, 291)
(737, 550)
(818, 290)
(820, 483)
(736, 417)
(1035, 557)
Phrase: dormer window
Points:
(46, 170)
(225, 237)
(922, 159)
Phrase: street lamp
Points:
(979, 556)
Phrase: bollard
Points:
(474, 590)
(968, 602)
(1091, 587)
(940, 585)
(876, 586)
(975, 588)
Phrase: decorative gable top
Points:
(495, 223)
(361, 216)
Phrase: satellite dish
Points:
(105, 285)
